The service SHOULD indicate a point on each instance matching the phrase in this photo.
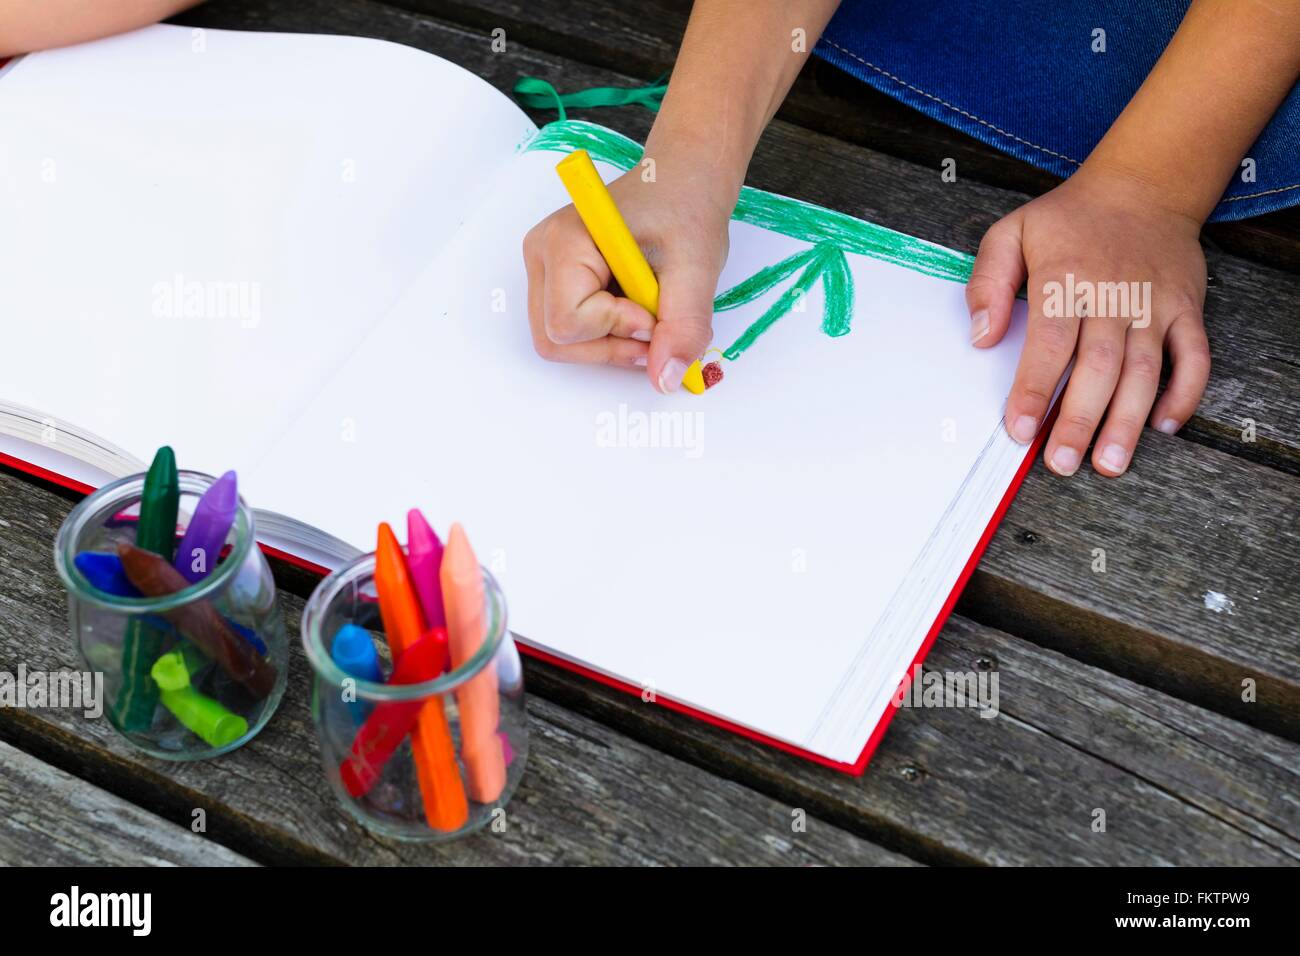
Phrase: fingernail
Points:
(979, 325)
(1065, 461)
(641, 335)
(670, 379)
(1168, 426)
(1024, 428)
(640, 360)
(1114, 458)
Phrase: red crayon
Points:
(389, 723)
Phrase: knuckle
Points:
(1144, 364)
(532, 240)
(1125, 423)
(1101, 356)
(1054, 338)
(1198, 356)
(981, 282)
(545, 348)
(1078, 421)
(1033, 395)
(1185, 306)
(995, 232)
(690, 332)
(564, 329)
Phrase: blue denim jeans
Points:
(1035, 79)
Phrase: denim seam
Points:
(1266, 192)
(955, 109)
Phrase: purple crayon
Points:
(206, 535)
(424, 559)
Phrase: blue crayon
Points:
(247, 633)
(105, 573)
(354, 652)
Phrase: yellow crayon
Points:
(615, 241)
(693, 381)
(596, 208)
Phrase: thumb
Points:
(995, 278)
(685, 326)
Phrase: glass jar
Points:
(425, 761)
(189, 674)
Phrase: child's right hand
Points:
(680, 221)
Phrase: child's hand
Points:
(680, 221)
(1100, 227)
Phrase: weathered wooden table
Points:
(1127, 691)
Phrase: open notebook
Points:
(299, 257)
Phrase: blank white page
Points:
(290, 187)
(739, 572)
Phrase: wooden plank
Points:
(946, 786)
(641, 40)
(590, 795)
(1250, 780)
(1199, 592)
(53, 819)
(1179, 785)
(1256, 352)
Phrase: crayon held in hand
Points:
(618, 247)
(609, 231)
(199, 621)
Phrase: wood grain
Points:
(1178, 785)
(1183, 526)
(946, 785)
(590, 795)
(53, 819)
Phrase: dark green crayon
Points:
(142, 643)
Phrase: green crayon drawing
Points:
(823, 261)
(831, 235)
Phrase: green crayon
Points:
(198, 712)
(142, 643)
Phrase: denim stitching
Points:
(1013, 136)
(955, 109)
(1266, 192)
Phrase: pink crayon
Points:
(424, 561)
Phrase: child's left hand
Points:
(1099, 226)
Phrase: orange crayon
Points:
(462, 596)
(445, 806)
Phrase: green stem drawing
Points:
(823, 261)
(832, 235)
